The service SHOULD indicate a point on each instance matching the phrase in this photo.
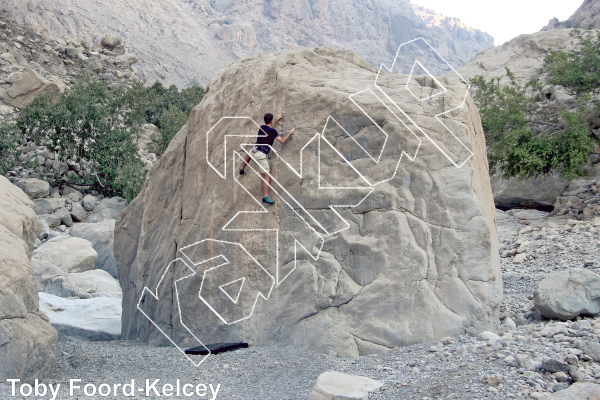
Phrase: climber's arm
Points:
(287, 137)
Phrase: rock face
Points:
(568, 294)
(27, 340)
(34, 63)
(419, 260)
(209, 35)
(524, 56)
(588, 14)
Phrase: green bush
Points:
(88, 123)
(167, 108)
(8, 147)
(99, 127)
(577, 70)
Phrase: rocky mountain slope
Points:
(33, 63)
(183, 41)
(588, 14)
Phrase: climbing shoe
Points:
(268, 200)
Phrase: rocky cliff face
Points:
(524, 56)
(588, 14)
(33, 63)
(183, 41)
(27, 340)
(415, 260)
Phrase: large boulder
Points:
(101, 235)
(578, 391)
(26, 86)
(536, 192)
(418, 262)
(97, 283)
(68, 253)
(27, 340)
(107, 209)
(34, 188)
(53, 280)
(93, 319)
(568, 294)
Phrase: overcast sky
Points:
(504, 19)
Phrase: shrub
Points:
(526, 139)
(98, 127)
(577, 70)
(167, 108)
(88, 123)
(9, 139)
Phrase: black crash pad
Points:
(216, 348)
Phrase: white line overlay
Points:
(237, 304)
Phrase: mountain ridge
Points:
(188, 41)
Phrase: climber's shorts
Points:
(261, 159)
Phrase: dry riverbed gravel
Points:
(525, 358)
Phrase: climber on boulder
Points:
(266, 137)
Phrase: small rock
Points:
(78, 213)
(65, 217)
(89, 202)
(493, 380)
(339, 386)
(552, 365)
(591, 348)
(520, 258)
(525, 230)
(110, 42)
(561, 376)
(568, 294)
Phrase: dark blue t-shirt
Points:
(267, 140)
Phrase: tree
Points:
(526, 138)
(577, 70)
(88, 124)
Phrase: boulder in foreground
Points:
(93, 319)
(27, 340)
(568, 294)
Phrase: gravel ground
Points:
(512, 363)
